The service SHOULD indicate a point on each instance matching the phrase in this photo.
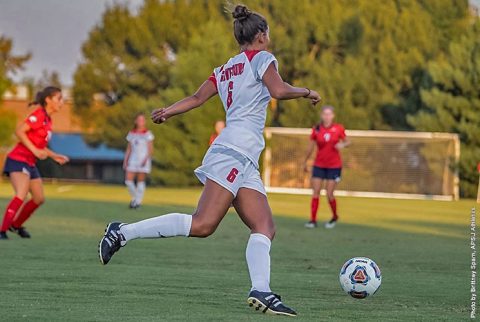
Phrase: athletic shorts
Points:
(327, 173)
(136, 166)
(19, 166)
(230, 169)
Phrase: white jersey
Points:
(139, 151)
(245, 99)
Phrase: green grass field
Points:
(422, 248)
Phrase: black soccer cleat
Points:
(111, 242)
(133, 205)
(3, 235)
(268, 302)
(22, 232)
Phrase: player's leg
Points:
(330, 187)
(212, 207)
(140, 191)
(38, 198)
(20, 182)
(130, 183)
(252, 207)
(317, 184)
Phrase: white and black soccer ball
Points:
(360, 277)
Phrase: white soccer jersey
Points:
(245, 99)
(139, 150)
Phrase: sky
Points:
(52, 30)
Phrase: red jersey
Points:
(326, 138)
(39, 134)
(212, 138)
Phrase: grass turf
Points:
(422, 248)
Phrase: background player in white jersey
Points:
(138, 160)
(229, 170)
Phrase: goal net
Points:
(390, 164)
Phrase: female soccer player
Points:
(138, 160)
(329, 137)
(20, 166)
(229, 171)
(219, 126)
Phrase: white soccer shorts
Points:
(230, 169)
(136, 166)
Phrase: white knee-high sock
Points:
(131, 188)
(140, 192)
(258, 261)
(159, 227)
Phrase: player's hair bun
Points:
(241, 12)
(247, 24)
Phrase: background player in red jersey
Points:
(20, 165)
(329, 138)
(219, 126)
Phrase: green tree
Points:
(366, 57)
(187, 136)
(9, 64)
(136, 63)
(7, 126)
(452, 102)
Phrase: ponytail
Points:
(41, 97)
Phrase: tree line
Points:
(385, 65)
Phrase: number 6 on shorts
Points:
(232, 175)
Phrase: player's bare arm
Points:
(283, 91)
(127, 155)
(150, 153)
(203, 94)
(21, 133)
(311, 147)
(343, 144)
(59, 158)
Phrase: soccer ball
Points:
(360, 277)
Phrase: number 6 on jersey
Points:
(230, 94)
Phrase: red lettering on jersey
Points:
(229, 72)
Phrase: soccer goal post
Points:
(378, 164)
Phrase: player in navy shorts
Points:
(20, 165)
(230, 172)
(329, 138)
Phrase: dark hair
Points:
(41, 97)
(247, 24)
